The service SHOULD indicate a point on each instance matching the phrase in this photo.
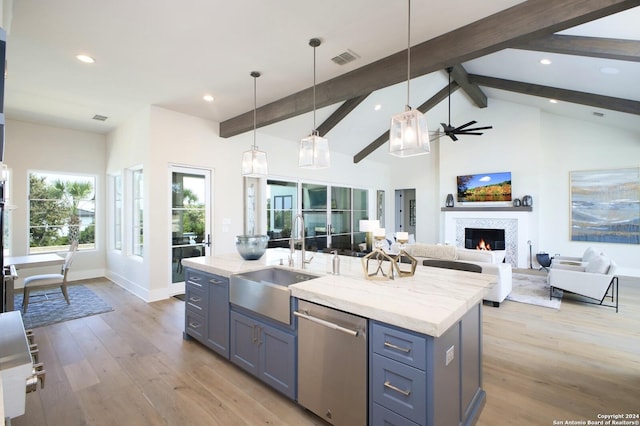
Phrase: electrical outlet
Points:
(450, 355)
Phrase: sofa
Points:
(490, 262)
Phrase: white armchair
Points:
(575, 263)
(596, 280)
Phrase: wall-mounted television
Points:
(484, 187)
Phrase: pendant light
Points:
(254, 161)
(314, 149)
(408, 134)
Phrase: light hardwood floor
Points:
(132, 367)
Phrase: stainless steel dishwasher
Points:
(332, 364)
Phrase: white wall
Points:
(175, 138)
(572, 145)
(33, 147)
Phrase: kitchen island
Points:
(435, 380)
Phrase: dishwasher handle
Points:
(329, 324)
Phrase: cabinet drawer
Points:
(399, 345)
(385, 417)
(194, 325)
(399, 388)
(195, 278)
(195, 297)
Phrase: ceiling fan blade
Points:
(447, 128)
(474, 129)
(452, 136)
(466, 125)
(473, 133)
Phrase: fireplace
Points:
(484, 239)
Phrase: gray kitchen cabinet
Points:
(264, 351)
(207, 310)
(417, 379)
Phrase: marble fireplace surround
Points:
(515, 222)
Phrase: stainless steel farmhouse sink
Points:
(266, 291)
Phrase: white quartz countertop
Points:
(429, 302)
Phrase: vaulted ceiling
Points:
(165, 54)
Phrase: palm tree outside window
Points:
(61, 210)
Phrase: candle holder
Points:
(412, 261)
(375, 261)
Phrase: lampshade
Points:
(408, 135)
(314, 152)
(365, 225)
(314, 149)
(254, 161)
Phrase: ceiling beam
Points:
(513, 26)
(582, 98)
(337, 116)
(459, 74)
(594, 47)
(430, 103)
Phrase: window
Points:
(117, 212)
(62, 208)
(331, 214)
(281, 204)
(137, 180)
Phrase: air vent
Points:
(598, 114)
(100, 117)
(345, 57)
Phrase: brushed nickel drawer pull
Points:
(398, 348)
(195, 306)
(388, 384)
(214, 281)
(194, 325)
(195, 299)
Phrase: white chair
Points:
(595, 281)
(50, 280)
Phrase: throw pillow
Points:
(598, 264)
(589, 253)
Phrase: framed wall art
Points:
(605, 205)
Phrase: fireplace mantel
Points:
(487, 209)
(515, 220)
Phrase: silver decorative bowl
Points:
(251, 247)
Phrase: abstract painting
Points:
(605, 206)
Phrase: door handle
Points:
(331, 325)
(208, 242)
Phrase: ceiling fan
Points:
(452, 131)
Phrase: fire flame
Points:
(482, 245)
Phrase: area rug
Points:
(534, 290)
(54, 309)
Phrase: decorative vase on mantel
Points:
(516, 202)
(527, 201)
(449, 201)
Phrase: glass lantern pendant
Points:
(314, 152)
(254, 161)
(408, 134)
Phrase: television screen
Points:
(484, 187)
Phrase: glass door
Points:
(314, 212)
(190, 217)
(340, 225)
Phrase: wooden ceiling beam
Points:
(594, 47)
(337, 116)
(514, 26)
(582, 98)
(430, 103)
(459, 74)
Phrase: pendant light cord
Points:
(314, 88)
(255, 75)
(408, 107)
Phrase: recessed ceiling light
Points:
(553, 101)
(208, 98)
(609, 70)
(545, 61)
(378, 107)
(86, 59)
